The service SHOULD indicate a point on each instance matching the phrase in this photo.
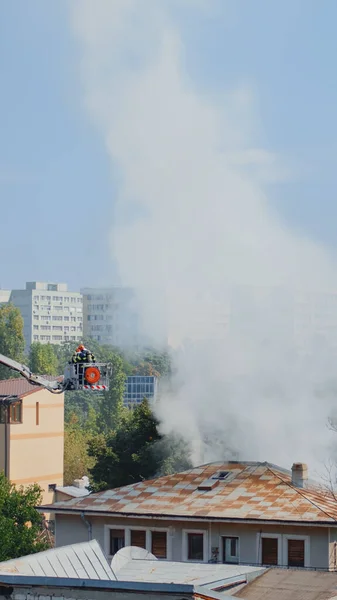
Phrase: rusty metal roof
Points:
(288, 584)
(251, 491)
(20, 386)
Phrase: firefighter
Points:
(82, 354)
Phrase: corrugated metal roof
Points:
(256, 491)
(84, 561)
(212, 576)
(284, 584)
(72, 490)
(20, 386)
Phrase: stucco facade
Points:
(319, 541)
(35, 439)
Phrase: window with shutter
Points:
(159, 544)
(138, 538)
(269, 551)
(295, 553)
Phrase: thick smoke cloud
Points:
(193, 220)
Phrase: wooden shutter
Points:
(159, 544)
(138, 538)
(269, 551)
(295, 553)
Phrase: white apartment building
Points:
(50, 312)
(110, 316)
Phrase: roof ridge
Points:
(301, 493)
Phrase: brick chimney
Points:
(299, 474)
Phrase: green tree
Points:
(20, 523)
(145, 369)
(43, 359)
(135, 451)
(12, 341)
(111, 403)
(77, 461)
(124, 456)
(160, 361)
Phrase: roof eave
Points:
(199, 519)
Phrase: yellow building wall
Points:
(2, 447)
(37, 445)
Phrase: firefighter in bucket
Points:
(84, 356)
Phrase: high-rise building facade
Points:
(110, 316)
(50, 312)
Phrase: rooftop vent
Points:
(299, 474)
(208, 484)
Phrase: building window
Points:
(15, 412)
(153, 540)
(159, 544)
(117, 540)
(138, 538)
(37, 411)
(295, 553)
(230, 548)
(269, 550)
(195, 546)
(52, 487)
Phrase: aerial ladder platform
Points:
(87, 376)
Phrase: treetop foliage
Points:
(20, 523)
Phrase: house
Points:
(31, 435)
(235, 512)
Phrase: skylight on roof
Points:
(221, 475)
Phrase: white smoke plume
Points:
(193, 220)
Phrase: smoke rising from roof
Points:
(193, 219)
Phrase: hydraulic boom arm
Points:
(55, 387)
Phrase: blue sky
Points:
(56, 185)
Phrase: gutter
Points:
(89, 525)
(168, 517)
(17, 581)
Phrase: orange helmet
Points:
(81, 347)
